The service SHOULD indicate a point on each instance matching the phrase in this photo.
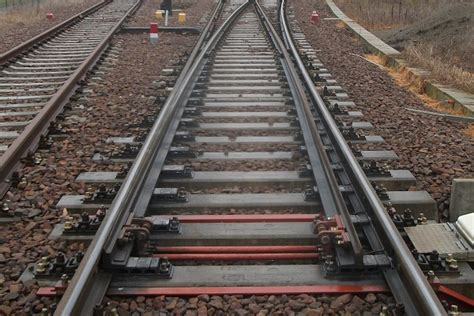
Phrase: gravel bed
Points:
(237, 211)
(257, 108)
(435, 150)
(242, 132)
(239, 305)
(247, 165)
(238, 189)
(269, 120)
(16, 33)
(115, 101)
(205, 147)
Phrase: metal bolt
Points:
(431, 275)
(454, 310)
(44, 312)
(453, 265)
(68, 224)
(23, 183)
(5, 207)
(41, 267)
(64, 279)
(422, 220)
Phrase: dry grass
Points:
(383, 14)
(442, 70)
(403, 78)
(470, 131)
(32, 12)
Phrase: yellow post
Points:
(182, 17)
(159, 14)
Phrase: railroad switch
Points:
(298, 136)
(309, 65)
(198, 94)
(294, 122)
(355, 149)
(141, 136)
(129, 151)
(177, 171)
(57, 266)
(55, 128)
(32, 160)
(191, 111)
(404, 220)
(305, 171)
(86, 224)
(160, 267)
(184, 136)
(196, 102)
(166, 225)
(181, 152)
(15, 179)
(328, 93)
(102, 195)
(318, 78)
(170, 195)
(337, 110)
(351, 134)
(188, 122)
(45, 143)
(303, 150)
(124, 171)
(311, 193)
(146, 122)
(373, 169)
(329, 233)
(360, 219)
(380, 190)
(433, 261)
(345, 265)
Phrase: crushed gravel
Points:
(239, 305)
(435, 150)
(114, 101)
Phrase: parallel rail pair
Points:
(403, 275)
(39, 76)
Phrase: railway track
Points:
(244, 184)
(39, 77)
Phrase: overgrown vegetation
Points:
(29, 10)
(432, 34)
(389, 13)
(442, 70)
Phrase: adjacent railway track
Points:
(244, 184)
(39, 77)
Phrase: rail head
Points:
(331, 197)
(429, 304)
(122, 206)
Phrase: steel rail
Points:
(424, 295)
(331, 197)
(126, 197)
(29, 138)
(17, 50)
